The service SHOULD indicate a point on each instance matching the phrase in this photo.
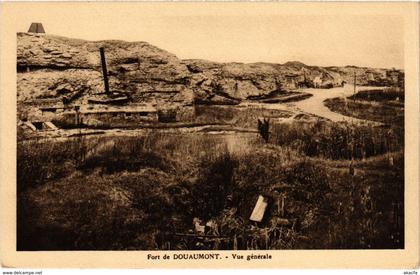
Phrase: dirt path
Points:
(315, 104)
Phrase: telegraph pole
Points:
(354, 83)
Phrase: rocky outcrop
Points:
(55, 67)
(51, 66)
(240, 81)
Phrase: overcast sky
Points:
(325, 40)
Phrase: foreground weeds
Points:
(144, 193)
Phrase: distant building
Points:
(395, 77)
(339, 82)
(36, 28)
(317, 82)
(370, 76)
(292, 81)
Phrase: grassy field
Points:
(144, 192)
(376, 105)
(381, 95)
(338, 140)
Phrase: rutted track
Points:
(315, 104)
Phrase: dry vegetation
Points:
(144, 192)
(386, 106)
(338, 140)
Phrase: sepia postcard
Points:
(209, 134)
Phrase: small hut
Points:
(292, 81)
(370, 75)
(394, 76)
(36, 28)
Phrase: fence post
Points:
(351, 168)
(266, 238)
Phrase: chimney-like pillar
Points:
(104, 70)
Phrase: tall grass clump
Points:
(337, 140)
(121, 154)
(388, 112)
(210, 191)
(40, 161)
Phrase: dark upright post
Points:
(76, 116)
(104, 71)
(354, 83)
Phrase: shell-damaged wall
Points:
(119, 118)
(52, 66)
(105, 119)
